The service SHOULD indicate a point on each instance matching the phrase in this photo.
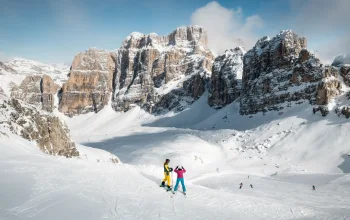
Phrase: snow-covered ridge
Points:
(135, 35)
(26, 67)
(58, 72)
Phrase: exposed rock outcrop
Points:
(323, 109)
(48, 92)
(345, 73)
(89, 87)
(346, 111)
(29, 90)
(280, 70)
(329, 87)
(51, 135)
(225, 85)
(37, 90)
(157, 72)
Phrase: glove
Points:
(177, 167)
(171, 169)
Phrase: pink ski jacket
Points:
(180, 173)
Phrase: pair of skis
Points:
(171, 190)
(175, 192)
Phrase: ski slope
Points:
(281, 154)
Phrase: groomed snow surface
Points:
(282, 154)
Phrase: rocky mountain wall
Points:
(226, 78)
(89, 86)
(162, 73)
(37, 90)
(48, 131)
(151, 69)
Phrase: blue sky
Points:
(55, 31)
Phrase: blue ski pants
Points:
(178, 180)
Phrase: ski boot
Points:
(162, 185)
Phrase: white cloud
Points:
(226, 27)
(324, 22)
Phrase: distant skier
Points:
(251, 186)
(167, 171)
(240, 185)
(313, 187)
(180, 170)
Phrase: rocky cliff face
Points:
(280, 70)
(161, 72)
(51, 135)
(37, 90)
(329, 87)
(225, 85)
(48, 92)
(89, 87)
(344, 71)
(341, 66)
(155, 72)
(29, 90)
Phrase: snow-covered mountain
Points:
(57, 72)
(33, 82)
(243, 117)
(30, 67)
(155, 72)
(168, 73)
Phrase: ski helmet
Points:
(167, 160)
(180, 167)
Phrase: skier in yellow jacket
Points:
(167, 171)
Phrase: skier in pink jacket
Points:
(180, 170)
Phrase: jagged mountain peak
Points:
(236, 50)
(289, 38)
(285, 33)
(190, 36)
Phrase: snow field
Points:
(283, 153)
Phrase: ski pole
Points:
(172, 181)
